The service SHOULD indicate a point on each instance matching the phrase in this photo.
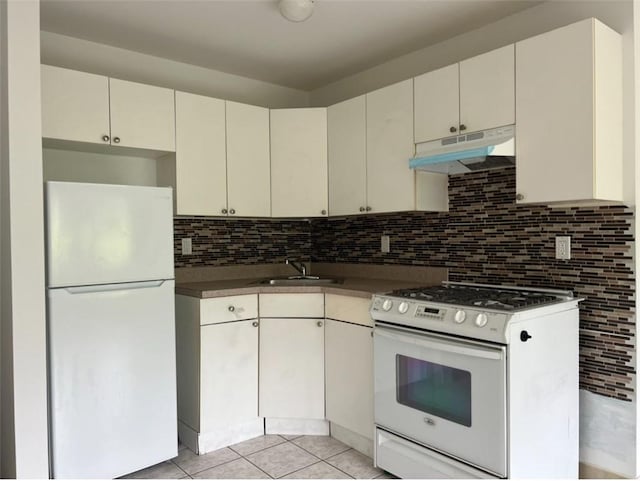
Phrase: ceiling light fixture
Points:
(296, 10)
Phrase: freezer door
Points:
(105, 234)
(112, 378)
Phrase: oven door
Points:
(445, 393)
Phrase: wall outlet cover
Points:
(385, 247)
(563, 247)
(186, 246)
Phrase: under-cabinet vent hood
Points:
(488, 149)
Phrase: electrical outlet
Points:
(186, 246)
(563, 247)
(384, 244)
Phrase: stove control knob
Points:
(403, 307)
(387, 305)
(460, 316)
(481, 320)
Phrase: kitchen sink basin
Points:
(301, 281)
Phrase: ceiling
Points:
(252, 39)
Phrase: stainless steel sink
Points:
(301, 281)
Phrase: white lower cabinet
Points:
(292, 368)
(217, 368)
(349, 371)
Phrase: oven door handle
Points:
(442, 345)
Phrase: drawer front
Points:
(292, 305)
(226, 309)
(349, 309)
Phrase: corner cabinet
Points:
(475, 94)
(569, 115)
(83, 107)
(292, 363)
(217, 368)
(299, 162)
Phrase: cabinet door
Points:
(75, 105)
(142, 116)
(248, 160)
(347, 150)
(390, 182)
(487, 90)
(292, 368)
(201, 172)
(568, 107)
(436, 104)
(349, 376)
(299, 162)
(228, 374)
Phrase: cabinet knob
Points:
(319, 323)
(519, 197)
(116, 140)
(323, 212)
(452, 129)
(231, 308)
(362, 209)
(463, 127)
(368, 209)
(224, 211)
(254, 323)
(105, 138)
(232, 211)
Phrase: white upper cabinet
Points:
(201, 164)
(476, 94)
(347, 150)
(83, 107)
(437, 104)
(569, 115)
(75, 106)
(142, 116)
(487, 90)
(299, 162)
(390, 182)
(248, 161)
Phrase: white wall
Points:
(115, 62)
(71, 166)
(24, 371)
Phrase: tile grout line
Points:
(258, 467)
(325, 460)
(259, 450)
(176, 465)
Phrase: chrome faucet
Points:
(299, 266)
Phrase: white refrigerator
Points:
(111, 329)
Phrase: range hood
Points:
(484, 150)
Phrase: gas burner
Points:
(497, 298)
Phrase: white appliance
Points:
(476, 381)
(111, 329)
(483, 150)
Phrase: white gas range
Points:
(476, 381)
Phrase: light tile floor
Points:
(269, 457)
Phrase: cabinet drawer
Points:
(349, 309)
(225, 309)
(292, 305)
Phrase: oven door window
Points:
(434, 389)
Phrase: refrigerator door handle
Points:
(114, 287)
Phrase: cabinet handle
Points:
(224, 211)
(232, 211)
(323, 212)
(463, 127)
(116, 140)
(105, 138)
(519, 197)
(368, 209)
(254, 323)
(319, 323)
(362, 209)
(231, 308)
(452, 129)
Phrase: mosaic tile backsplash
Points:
(485, 237)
